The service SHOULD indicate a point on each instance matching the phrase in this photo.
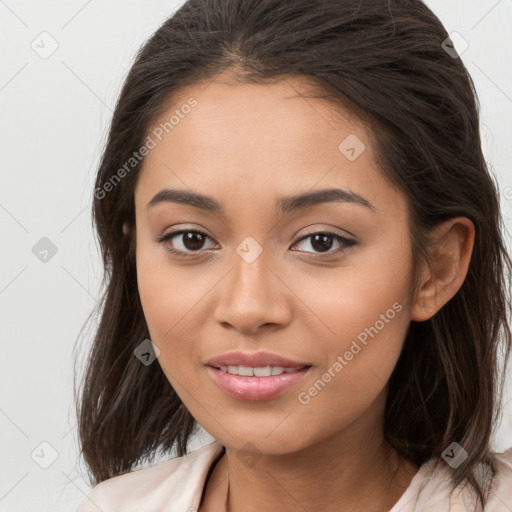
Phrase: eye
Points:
(188, 241)
(323, 241)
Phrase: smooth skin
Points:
(246, 146)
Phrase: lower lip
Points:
(256, 388)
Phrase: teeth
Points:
(245, 371)
(259, 371)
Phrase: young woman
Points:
(304, 256)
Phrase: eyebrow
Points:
(285, 204)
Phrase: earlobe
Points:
(125, 228)
(451, 249)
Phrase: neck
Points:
(373, 485)
(354, 470)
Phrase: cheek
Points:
(172, 303)
(364, 313)
(155, 294)
(358, 360)
(161, 292)
(351, 299)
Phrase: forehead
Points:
(273, 139)
(283, 115)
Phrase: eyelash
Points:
(346, 242)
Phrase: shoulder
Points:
(500, 492)
(431, 488)
(496, 483)
(173, 485)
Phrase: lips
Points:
(257, 388)
(255, 359)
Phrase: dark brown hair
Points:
(385, 59)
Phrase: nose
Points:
(254, 298)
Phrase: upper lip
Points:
(255, 359)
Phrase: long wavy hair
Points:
(388, 62)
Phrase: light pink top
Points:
(176, 485)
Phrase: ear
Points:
(450, 253)
(125, 228)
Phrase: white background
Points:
(54, 117)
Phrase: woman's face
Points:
(262, 275)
